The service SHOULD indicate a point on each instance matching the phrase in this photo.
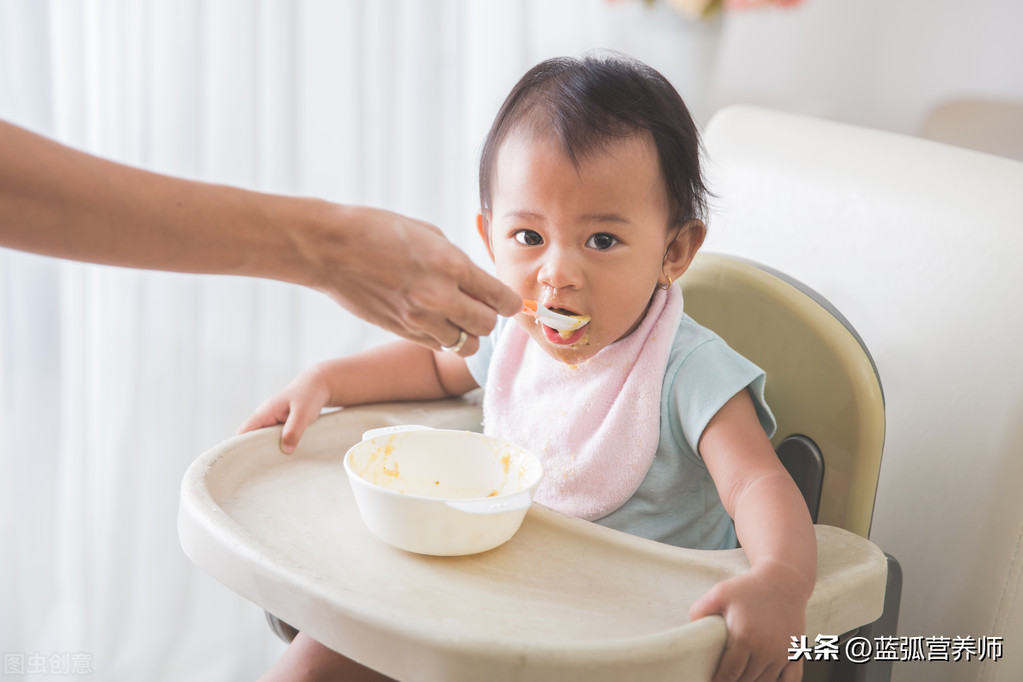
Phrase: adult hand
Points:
(393, 271)
(405, 276)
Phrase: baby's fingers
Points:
(793, 672)
(300, 416)
(268, 414)
(732, 665)
(712, 602)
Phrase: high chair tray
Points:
(563, 600)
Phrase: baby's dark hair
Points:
(587, 103)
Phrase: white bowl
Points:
(441, 492)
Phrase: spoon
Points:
(558, 321)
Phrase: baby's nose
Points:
(561, 269)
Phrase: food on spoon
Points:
(564, 321)
(573, 321)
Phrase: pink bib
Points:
(595, 425)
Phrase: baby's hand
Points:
(761, 616)
(297, 406)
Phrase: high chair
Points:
(826, 396)
(918, 243)
(564, 599)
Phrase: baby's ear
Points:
(683, 247)
(483, 228)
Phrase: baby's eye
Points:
(601, 241)
(528, 238)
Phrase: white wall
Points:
(878, 63)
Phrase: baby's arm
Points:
(765, 606)
(397, 371)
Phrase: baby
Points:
(591, 204)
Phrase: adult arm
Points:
(397, 272)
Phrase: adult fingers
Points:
(465, 296)
(464, 346)
(436, 315)
(464, 313)
(490, 291)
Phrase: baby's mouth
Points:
(565, 338)
(570, 333)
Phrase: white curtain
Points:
(112, 381)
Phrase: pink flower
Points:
(750, 4)
(700, 9)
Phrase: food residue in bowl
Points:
(506, 472)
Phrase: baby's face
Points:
(587, 241)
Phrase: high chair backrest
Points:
(821, 385)
(919, 245)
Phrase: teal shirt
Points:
(677, 502)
